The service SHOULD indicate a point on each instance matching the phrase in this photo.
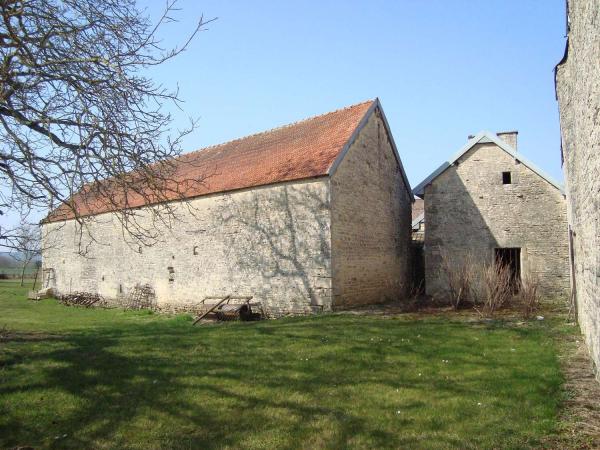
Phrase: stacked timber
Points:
(84, 299)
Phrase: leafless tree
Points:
(28, 241)
(82, 125)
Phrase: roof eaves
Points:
(396, 153)
(376, 104)
(486, 137)
(419, 190)
(523, 160)
(339, 158)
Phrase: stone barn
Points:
(578, 93)
(308, 217)
(489, 203)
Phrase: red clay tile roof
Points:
(300, 150)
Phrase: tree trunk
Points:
(37, 270)
(23, 273)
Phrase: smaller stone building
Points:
(418, 237)
(489, 203)
(418, 220)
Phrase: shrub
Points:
(498, 289)
(529, 297)
(459, 276)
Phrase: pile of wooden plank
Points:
(84, 299)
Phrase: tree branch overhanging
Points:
(80, 123)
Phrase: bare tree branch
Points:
(81, 127)
(27, 245)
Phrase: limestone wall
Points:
(370, 222)
(469, 211)
(271, 242)
(578, 91)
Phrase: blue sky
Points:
(442, 70)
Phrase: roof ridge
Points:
(419, 190)
(307, 147)
(281, 127)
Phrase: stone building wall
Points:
(370, 222)
(271, 242)
(470, 212)
(578, 93)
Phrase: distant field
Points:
(11, 266)
(16, 271)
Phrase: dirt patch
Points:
(426, 307)
(580, 415)
(422, 305)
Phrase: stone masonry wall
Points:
(370, 222)
(469, 211)
(271, 242)
(578, 92)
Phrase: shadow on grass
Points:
(318, 382)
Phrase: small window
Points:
(195, 251)
(506, 178)
(171, 274)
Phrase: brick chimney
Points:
(510, 137)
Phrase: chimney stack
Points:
(510, 137)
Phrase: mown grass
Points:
(91, 378)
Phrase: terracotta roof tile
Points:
(300, 150)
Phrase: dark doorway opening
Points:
(511, 258)
(418, 267)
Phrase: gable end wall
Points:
(469, 212)
(370, 222)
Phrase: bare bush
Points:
(415, 296)
(529, 297)
(498, 288)
(459, 276)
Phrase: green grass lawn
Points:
(92, 378)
